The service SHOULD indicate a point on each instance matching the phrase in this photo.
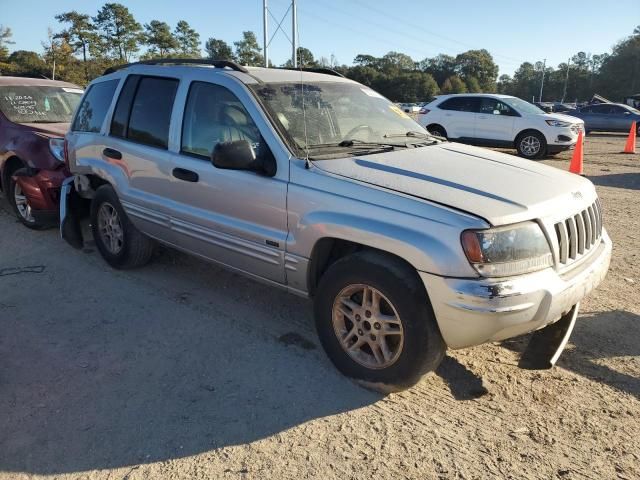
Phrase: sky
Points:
(513, 31)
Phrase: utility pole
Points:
(266, 13)
(566, 80)
(544, 67)
(294, 31)
(265, 37)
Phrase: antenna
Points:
(266, 15)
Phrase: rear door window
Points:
(461, 104)
(94, 106)
(120, 120)
(151, 111)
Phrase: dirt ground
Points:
(183, 370)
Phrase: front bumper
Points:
(475, 311)
(42, 189)
(561, 139)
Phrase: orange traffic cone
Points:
(576, 161)
(630, 146)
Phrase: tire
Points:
(527, 142)
(414, 346)
(19, 202)
(437, 130)
(119, 242)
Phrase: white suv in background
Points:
(500, 121)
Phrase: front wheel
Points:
(120, 243)
(20, 203)
(531, 145)
(375, 321)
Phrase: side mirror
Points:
(496, 112)
(627, 113)
(239, 155)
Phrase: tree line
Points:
(85, 45)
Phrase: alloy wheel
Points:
(110, 228)
(22, 204)
(530, 145)
(367, 326)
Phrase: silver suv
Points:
(317, 184)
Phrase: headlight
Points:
(557, 123)
(56, 147)
(506, 251)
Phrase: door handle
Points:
(184, 174)
(111, 153)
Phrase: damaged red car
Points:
(34, 117)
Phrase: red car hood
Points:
(52, 129)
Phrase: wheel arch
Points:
(528, 130)
(9, 166)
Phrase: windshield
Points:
(39, 104)
(335, 114)
(521, 106)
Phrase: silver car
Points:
(407, 244)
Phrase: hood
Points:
(498, 187)
(561, 117)
(50, 129)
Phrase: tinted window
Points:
(461, 104)
(617, 110)
(120, 120)
(94, 107)
(151, 111)
(600, 109)
(213, 114)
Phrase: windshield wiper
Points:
(425, 136)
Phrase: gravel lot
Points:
(183, 370)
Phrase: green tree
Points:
(478, 64)
(472, 84)
(248, 50)
(159, 39)
(79, 35)
(188, 40)
(305, 59)
(5, 39)
(620, 71)
(453, 84)
(504, 84)
(440, 67)
(120, 34)
(366, 61)
(28, 64)
(218, 50)
(396, 62)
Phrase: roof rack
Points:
(325, 70)
(181, 61)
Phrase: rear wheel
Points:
(531, 145)
(375, 321)
(120, 243)
(20, 202)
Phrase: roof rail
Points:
(181, 61)
(325, 70)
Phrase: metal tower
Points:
(266, 13)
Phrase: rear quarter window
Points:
(93, 109)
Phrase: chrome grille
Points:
(579, 233)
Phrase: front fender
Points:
(435, 250)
